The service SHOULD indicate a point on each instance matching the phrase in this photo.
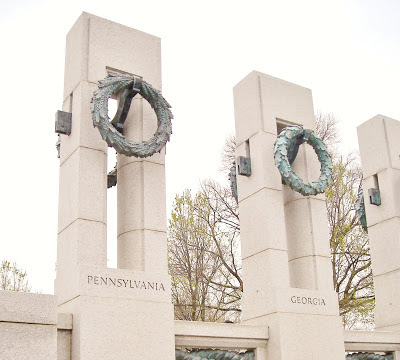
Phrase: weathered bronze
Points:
(214, 354)
(374, 196)
(244, 165)
(113, 84)
(63, 124)
(285, 151)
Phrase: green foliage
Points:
(204, 262)
(12, 278)
(351, 261)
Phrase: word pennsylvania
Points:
(117, 282)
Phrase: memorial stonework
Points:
(286, 258)
(289, 308)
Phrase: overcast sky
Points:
(347, 52)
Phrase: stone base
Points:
(28, 326)
(304, 324)
(120, 314)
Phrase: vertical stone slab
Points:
(380, 150)
(285, 242)
(82, 213)
(117, 313)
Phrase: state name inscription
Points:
(315, 301)
(125, 283)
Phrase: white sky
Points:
(347, 52)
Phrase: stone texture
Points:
(379, 145)
(63, 344)
(267, 271)
(21, 307)
(387, 300)
(83, 132)
(264, 172)
(95, 45)
(148, 247)
(115, 328)
(389, 182)
(116, 313)
(285, 241)
(270, 230)
(28, 326)
(379, 150)
(385, 251)
(141, 190)
(21, 341)
(83, 184)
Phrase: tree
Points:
(204, 250)
(13, 278)
(204, 258)
(351, 260)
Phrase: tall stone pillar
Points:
(380, 157)
(285, 242)
(117, 313)
(141, 195)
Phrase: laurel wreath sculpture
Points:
(115, 83)
(285, 151)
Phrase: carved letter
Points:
(119, 282)
(112, 281)
(89, 278)
(103, 281)
(96, 280)
(322, 302)
(309, 300)
(162, 287)
(125, 282)
(150, 285)
(293, 299)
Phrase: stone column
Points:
(141, 195)
(117, 313)
(380, 150)
(285, 242)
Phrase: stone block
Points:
(144, 250)
(141, 197)
(268, 270)
(247, 106)
(378, 143)
(120, 327)
(21, 341)
(385, 245)
(270, 231)
(21, 307)
(262, 100)
(306, 228)
(112, 47)
(389, 183)
(282, 100)
(82, 242)
(305, 336)
(83, 132)
(387, 300)
(264, 173)
(63, 344)
(83, 185)
(311, 272)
